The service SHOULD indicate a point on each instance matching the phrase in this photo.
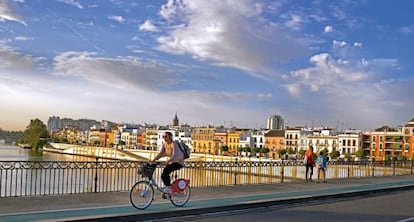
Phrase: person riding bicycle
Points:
(175, 162)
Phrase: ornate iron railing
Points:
(28, 178)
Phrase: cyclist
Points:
(175, 162)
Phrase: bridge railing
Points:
(29, 178)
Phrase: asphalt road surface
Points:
(394, 207)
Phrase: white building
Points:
(275, 122)
(349, 142)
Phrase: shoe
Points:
(167, 190)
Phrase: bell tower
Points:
(175, 120)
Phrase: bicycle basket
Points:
(147, 170)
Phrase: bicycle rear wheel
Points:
(141, 194)
(180, 198)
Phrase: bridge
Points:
(115, 206)
(131, 154)
(95, 151)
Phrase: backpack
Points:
(184, 148)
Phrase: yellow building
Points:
(203, 139)
(233, 141)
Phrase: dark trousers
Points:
(165, 176)
(309, 167)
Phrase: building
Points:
(274, 141)
(408, 138)
(275, 122)
(349, 142)
(203, 139)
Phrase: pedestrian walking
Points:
(309, 161)
(321, 164)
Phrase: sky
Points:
(343, 64)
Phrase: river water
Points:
(9, 152)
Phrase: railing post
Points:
(96, 175)
(373, 168)
(349, 170)
(282, 172)
(393, 167)
(235, 172)
(412, 163)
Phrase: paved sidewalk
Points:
(115, 206)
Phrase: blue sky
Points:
(345, 64)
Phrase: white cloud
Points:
(328, 74)
(407, 29)
(114, 72)
(116, 18)
(294, 22)
(13, 60)
(23, 38)
(6, 14)
(119, 89)
(72, 3)
(229, 33)
(357, 44)
(148, 26)
(351, 89)
(339, 43)
(328, 29)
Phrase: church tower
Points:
(175, 120)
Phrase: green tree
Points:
(360, 154)
(290, 151)
(255, 150)
(36, 134)
(302, 153)
(334, 154)
(224, 148)
(281, 152)
(402, 158)
(264, 150)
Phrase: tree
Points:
(290, 151)
(224, 148)
(264, 150)
(35, 134)
(255, 150)
(281, 152)
(302, 153)
(360, 154)
(402, 158)
(334, 154)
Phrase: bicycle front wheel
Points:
(141, 194)
(180, 198)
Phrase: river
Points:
(9, 152)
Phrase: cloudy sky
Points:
(344, 64)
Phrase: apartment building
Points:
(274, 141)
(408, 139)
(323, 139)
(349, 142)
(203, 139)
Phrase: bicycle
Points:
(142, 192)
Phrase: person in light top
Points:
(321, 163)
(175, 160)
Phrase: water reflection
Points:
(13, 153)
